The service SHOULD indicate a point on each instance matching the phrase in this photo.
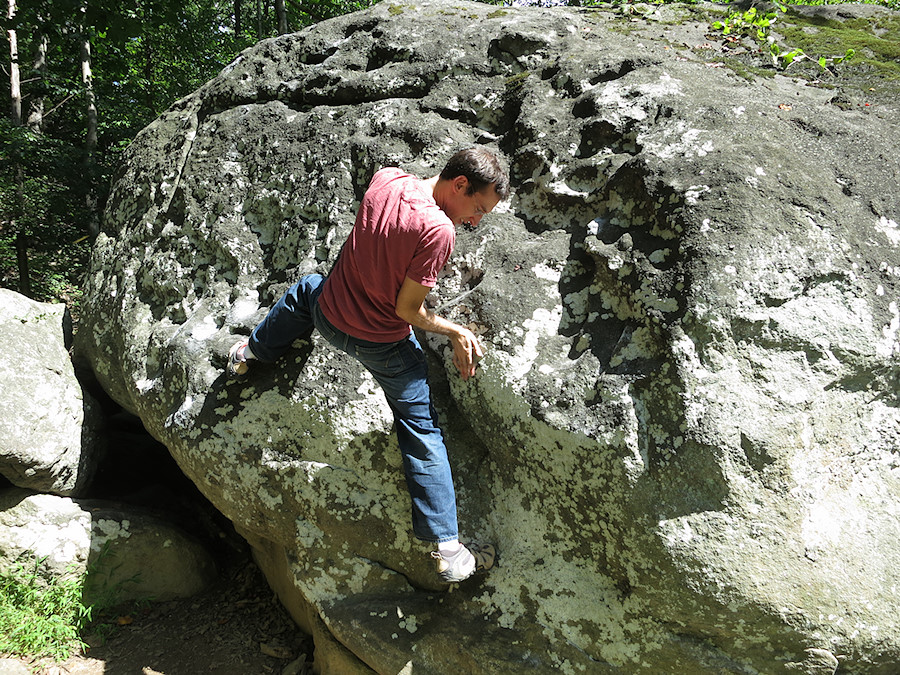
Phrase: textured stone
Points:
(126, 555)
(48, 424)
(13, 667)
(684, 435)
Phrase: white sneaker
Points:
(237, 360)
(468, 560)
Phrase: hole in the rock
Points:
(137, 471)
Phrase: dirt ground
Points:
(236, 627)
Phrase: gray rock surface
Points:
(13, 667)
(126, 555)
(684, 438)
(48, 424)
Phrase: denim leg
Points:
(289, 319)
(402, 374)
(400, 369)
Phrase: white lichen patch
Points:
(205, 329)
(676, 140)
(827, 316)
(890, 345)
(546, 272)
(693, 193)
(889, 229)
(104, 530)
(543, 323)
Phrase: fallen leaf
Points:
(276, 651)
(124, 621)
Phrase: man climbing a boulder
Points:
(369, 303)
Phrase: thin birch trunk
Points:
(35, 120)
(90, 144)
(15, 92)
(15, 88)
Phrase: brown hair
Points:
(481, 167)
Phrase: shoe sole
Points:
(485, 556)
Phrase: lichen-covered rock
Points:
(684, 437)
(48, 423)
(126, 555)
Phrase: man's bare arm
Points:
(411, 308)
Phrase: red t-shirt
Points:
(399, 232)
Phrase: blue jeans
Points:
(400, 369)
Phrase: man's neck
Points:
(433, 187)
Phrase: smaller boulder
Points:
(126, 555)
(48, 424)
(13, 667)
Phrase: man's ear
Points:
(460, 184)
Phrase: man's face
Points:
(469, 208)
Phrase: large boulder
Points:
(684, 438)
(122, 554)
(49, 425)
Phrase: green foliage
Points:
(39, 616)
(41, 194)
(750, 22)
(757, 25)
(873, 44)
(891, 4)
(145, 56)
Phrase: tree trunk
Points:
(36, 109)
(150, 100)
(282, 17)
(237, 18)
(15, 89)
(90, 144)
(259, 19)
(15, 93)
(22, 262)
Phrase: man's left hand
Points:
(466, 352)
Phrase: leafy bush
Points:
(40, 616)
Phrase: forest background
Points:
(83, 78)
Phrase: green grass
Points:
(892, 4)
(40, 616)
(876, 41)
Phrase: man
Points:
(403, 235)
